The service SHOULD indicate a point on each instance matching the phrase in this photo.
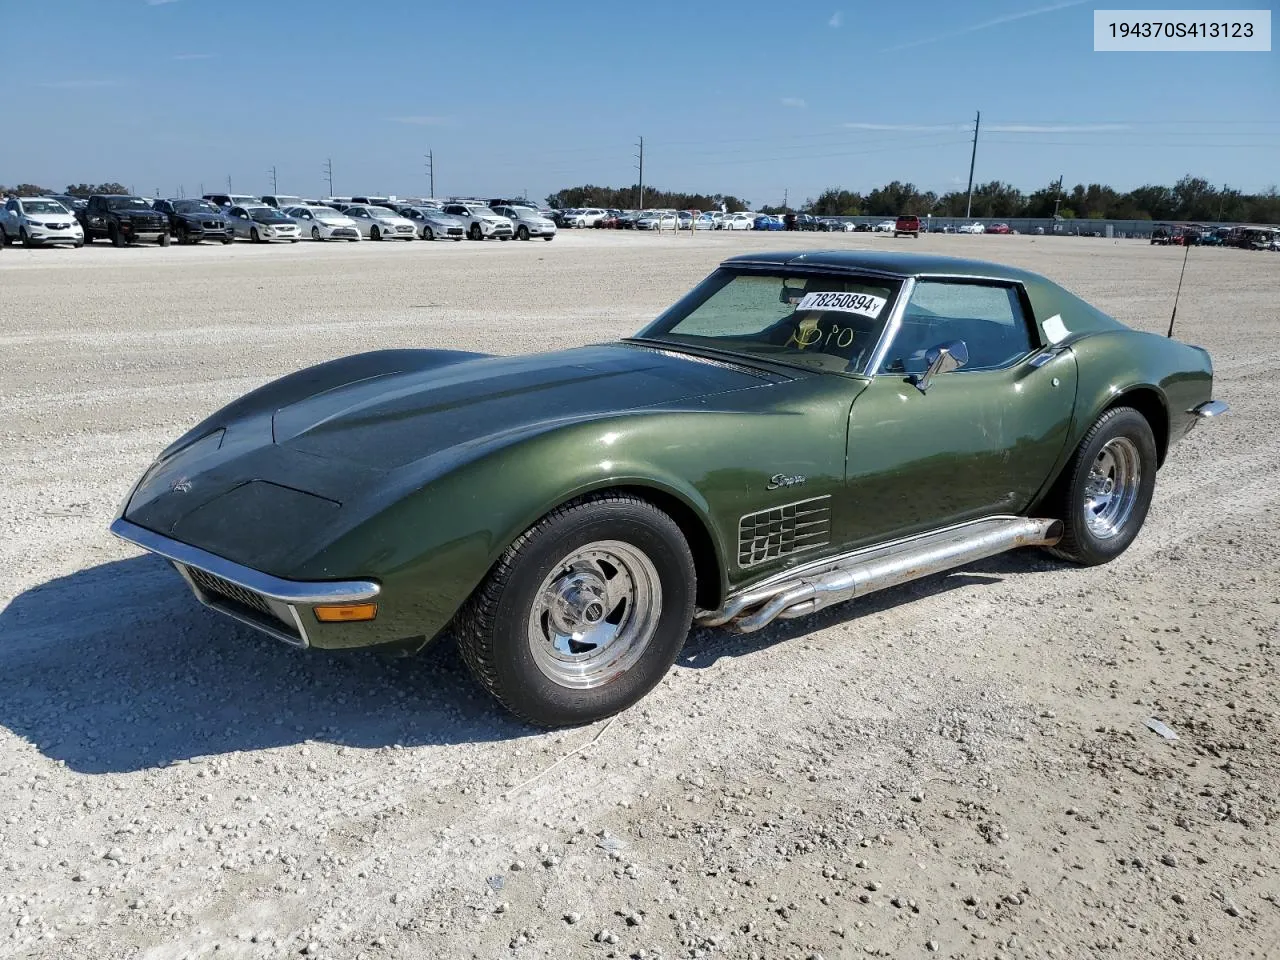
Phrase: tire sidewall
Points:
(538, 697)
(1121, 422)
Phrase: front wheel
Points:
(227, 240)
(1105, 491)
(116, 237)
(375, 233)
(584, 614)
(315, 233)
(163, 239)
(428, 234)
(548, 238)
(474, 232)
(254, 235)
(523, 233)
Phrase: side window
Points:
(12, 206)
(988, 317)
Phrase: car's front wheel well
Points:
(1150, 404)
(706, 562)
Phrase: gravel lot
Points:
(955, 768)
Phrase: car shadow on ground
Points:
(705, 647)
(118, 668)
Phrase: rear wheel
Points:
(1105, 491)
(584, 614)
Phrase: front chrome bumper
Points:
(270, 604)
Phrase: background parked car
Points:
(262, 224)
(999, 228)
(974, 227)
(737, 221)
(480, 222)
(38, 221)
(656, 220)
(123, 219)
(229, 200)
(380, 223)
(191, 221)
(885, 226)
(528, 222)
(433, 223)
(74, 204)
(323, 223)
(281, 201)
(766, 222)
(907, 226)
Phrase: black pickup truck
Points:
(123, 219)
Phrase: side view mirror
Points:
(944, 358)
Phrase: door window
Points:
(989, 318)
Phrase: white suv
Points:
(480, 222)
(37, 221)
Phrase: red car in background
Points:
(999, 228)
(907, 226)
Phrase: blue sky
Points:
(746, 97)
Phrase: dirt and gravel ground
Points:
(957, 768)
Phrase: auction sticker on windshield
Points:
(863, 304)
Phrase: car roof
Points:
(887, 262)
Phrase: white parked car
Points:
(706, 221)
(323, 223)
(480, 222)
(885, 226)
(971, 228)
(657, 220)
(528, 222)
(37, 221)
(379, 223)
(738, 221)
(589, 217)
(262, 224)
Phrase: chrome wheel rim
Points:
(1111, 490)
(595, 614)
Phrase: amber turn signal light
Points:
(346, 612)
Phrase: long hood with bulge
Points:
(274, 477)
(393, 420)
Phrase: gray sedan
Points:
(528, 222)
(433, 224)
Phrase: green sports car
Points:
(798, 430)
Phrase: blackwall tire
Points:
(1105, 491)
(584, 613)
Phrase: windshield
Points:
(42, 206)
(817, 321)
(482, 212)
(382, 213)
(195, 206)
(525, 212)
(267, 215)
(127, 203)
(326, 213)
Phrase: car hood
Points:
(392, 420)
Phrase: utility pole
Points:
(1222, 202)
(275, 185)
(1058, 199)
(328, 172)
(786, 191)
(640, 157)
(228, 183)
(431, 172)
(973, 158)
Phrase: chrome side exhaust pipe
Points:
(815, 587)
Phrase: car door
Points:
(11, 218)
(975, 442)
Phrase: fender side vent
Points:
(781, 531)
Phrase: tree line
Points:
(1191, 198)
(627, 198)
(73, 190)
